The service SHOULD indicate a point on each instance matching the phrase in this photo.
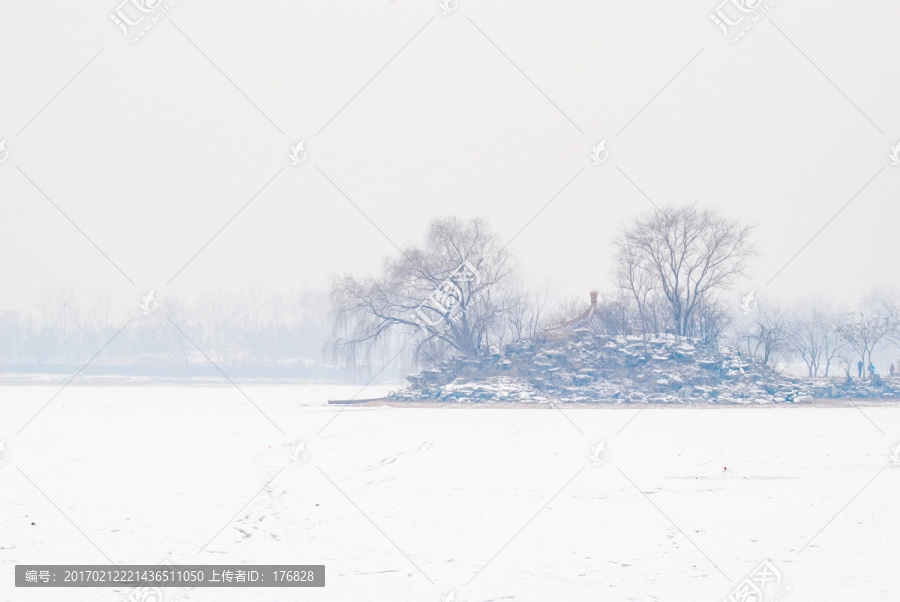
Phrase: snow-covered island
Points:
(580, 366)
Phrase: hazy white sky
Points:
(150, 148)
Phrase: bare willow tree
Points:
(450, 295)
(683, 255)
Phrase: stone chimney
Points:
(593, 297)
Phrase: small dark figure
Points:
(871, 370)
(859, 367)
(892, 370)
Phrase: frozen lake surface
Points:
(415, 503)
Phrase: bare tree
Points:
(177, 345)
(452, 293)
(616, 315)
(865, 330)
(526, 316)
(59, 308)
(713, 317)
(833, 344)
(634, 279)
(684, 254)
(767, 333)
(886, 303)
(813, 336)
(102, 310)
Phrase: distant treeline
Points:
(459, 293)
(255, 332)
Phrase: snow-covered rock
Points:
(586, 368)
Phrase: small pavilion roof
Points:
(583, 321)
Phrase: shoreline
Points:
(505, 405)
(80, 380)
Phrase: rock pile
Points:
(583, 367)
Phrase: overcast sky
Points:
(145, 150)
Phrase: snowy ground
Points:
(413, 503)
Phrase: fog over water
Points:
(163, 164)
(150, 150)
